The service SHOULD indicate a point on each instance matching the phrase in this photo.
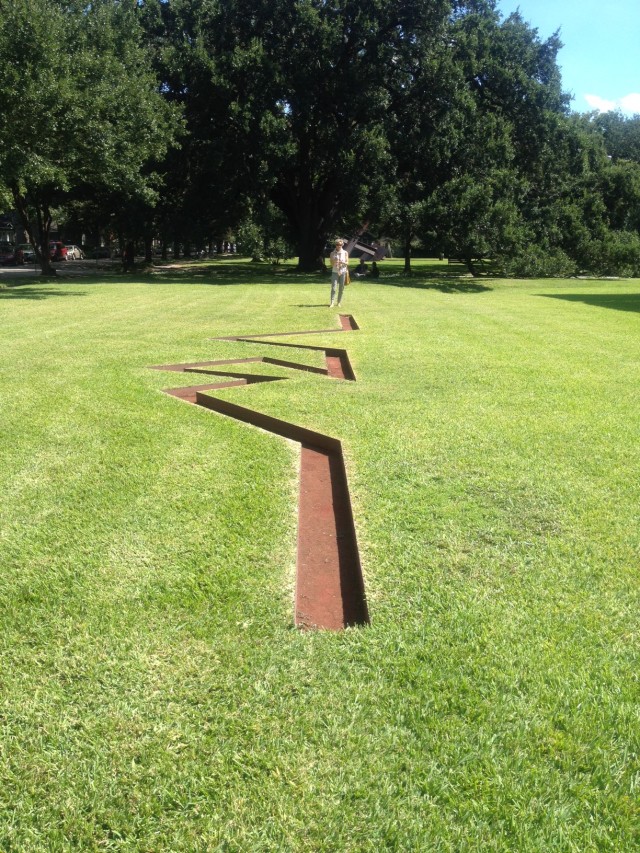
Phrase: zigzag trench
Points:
(329, 583)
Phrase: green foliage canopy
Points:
(81, 107)
(433, 119)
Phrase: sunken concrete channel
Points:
(330, 591)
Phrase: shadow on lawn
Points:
(24, 292)
(218, 273)
(452, 285)
(236, 273)
(617, 301)
(220, 276)
(434, 275)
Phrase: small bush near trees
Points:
(538, 262)
(617, 254)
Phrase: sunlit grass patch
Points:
(154, 694)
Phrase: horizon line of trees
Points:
(434, 122)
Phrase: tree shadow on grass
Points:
(263, 274)
(217, 274)
(617, 301)
(35, 293)
(450, 285)
(436, 275)
(221, 275)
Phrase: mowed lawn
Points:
(154, 694)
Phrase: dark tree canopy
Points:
(367, 112)
(303, 91)
(81, 108)
(427, 120)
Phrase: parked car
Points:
(28, 252)
(57, 251)
(99, 252)
(74, 253)
(11, 255)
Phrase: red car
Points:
(57, 251)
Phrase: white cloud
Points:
(628, 104)
(598, 103)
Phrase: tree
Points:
(80, 107)
(370, 111)
(615, 248)
(621, 135)
(292, 98)
(621, 195)
(263, 234)
(425, 122)
(509, 109)
(209, 186)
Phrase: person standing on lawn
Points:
(339, 268)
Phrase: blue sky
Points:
(600, 60)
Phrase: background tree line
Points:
(433, 122)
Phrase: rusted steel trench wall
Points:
(330, 591)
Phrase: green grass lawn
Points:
(154, 695)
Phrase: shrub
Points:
(536, 262)
(618, 254)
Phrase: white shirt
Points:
(339, 260)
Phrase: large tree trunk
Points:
(407, 255)
(309, 225)
(311, 251)
(471, 266)
(309, 211)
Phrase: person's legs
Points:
(334, 286)
(341, 281)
